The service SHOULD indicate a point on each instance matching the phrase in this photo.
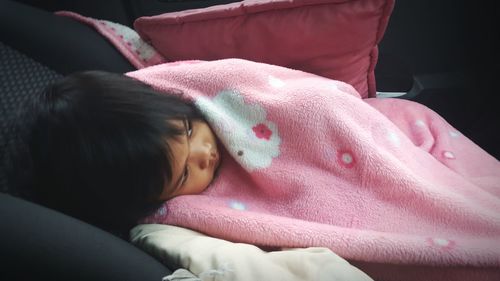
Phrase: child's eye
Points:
(189, 127)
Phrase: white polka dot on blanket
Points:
(275, 82)
(420, 123)
(346, 159)
(448, 155)
(393, 138)
(454, 134)
(237, 205)
(345, 88)
(441, 243)
(334, 86)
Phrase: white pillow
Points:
(215, 259)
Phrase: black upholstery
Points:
(20, 77)
(40, 244)
(37, 243)
(60, 43)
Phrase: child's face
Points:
(195, 158)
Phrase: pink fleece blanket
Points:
(307, 162)
(386, 183)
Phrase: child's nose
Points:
(202, 155)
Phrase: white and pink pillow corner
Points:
(126, 40)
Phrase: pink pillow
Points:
(332, 38)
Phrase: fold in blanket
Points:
(309, 163)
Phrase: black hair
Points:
(95, 147)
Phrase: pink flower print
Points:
(441, 243)
(252, 139)
(262, 131)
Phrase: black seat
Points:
(40, 244)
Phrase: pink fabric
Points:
(125, 39)
(332, 38)
(307, 162)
